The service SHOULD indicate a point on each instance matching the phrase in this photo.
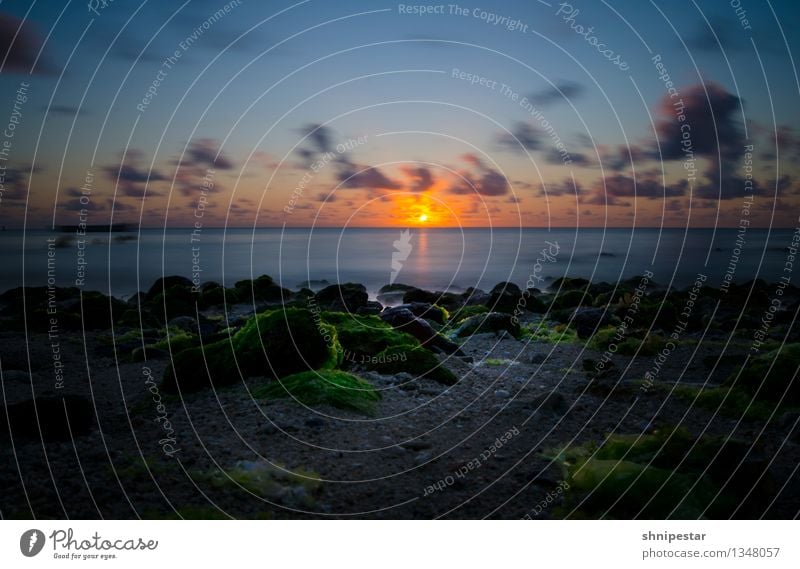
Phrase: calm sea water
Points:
(437, 258)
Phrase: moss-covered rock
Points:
(332, 387)
(365, 336)
(771, 375)
(286, 341)
(632, 343)
(666, 474)
(347, 297)
(570, 299)
(489, 322)
(273, 344)
(416, 361)
(261, 289)
(467, 311)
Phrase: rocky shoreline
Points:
(585, 401)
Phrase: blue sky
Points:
(261, 77)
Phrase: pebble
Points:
(502, 394)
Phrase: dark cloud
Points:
(365, 177)
(206, 152)
(714, 125)
(522, 137)
(320, 137)
(422, 178)
(621, 186)
(561, 91)
(488, 182)
(713, 117)
(132, 178)
(553, 156)
(728, 186)
(15, 183)
(567, 187)
(20, 44)
(65, 110)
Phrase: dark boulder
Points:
(262, 289)
(372, 308)
(405, 321)
(489, 322)
(348, 297)
(587, 321)
(165, 283)
(426, 311)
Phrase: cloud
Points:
(564, 188)
(554, 156)
(132, 178)
(14, 183)
(206, 152)
(711, 114)
(20, 44)
(620, 186)
(366, 177)
(714, 133)
(488, 182)
(320, 137)
(65, 110)
(561, 91)
(422, 178)
(522, 137)
(196, 169)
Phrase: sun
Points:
(423, 217)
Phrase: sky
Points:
(355, 113)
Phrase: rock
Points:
(165, 283)
(537, 358)
(425, 310)
(418, 362)
(474, 296)
(505, 297)
(372, 308)
(502, 394)
(60, 418)
(189, 324)
(348, 297)
(364, 337)
(404, 320)
(392, 294)
(489, 322)
(314, 284)
(552, 402)
(140, 354)
(570, 299)
(770, 375)
(276, 343)
(568, 283)
(588, 320)
(262, 289)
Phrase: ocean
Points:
(121, 264)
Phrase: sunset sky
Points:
(356, 113)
